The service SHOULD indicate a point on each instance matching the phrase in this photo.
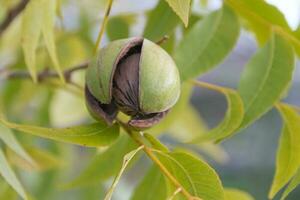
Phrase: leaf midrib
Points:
(184, 171)
(214, 30)
(265, 78)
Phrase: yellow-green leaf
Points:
(92, 135)
(61, 108)
(49, 13)
(207, 43)
(191, 125)
(194, 175)
(235, 194)
(264, 19)
(9, 175)
(44, 160)
(233, 117)
(292, 185)
(182, 9)
(7, 192)
(105, 164)
(31, 31)
(153, 186)
(266, 77)
(127, 158)
(287, 159)
(11, 141)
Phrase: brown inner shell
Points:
(100, 111)
(126, 82)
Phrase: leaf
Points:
(287, 159)
(92, 135)
(265, 78)
(39, 18)
(127, 158)
(117, 28)
(233, 117)
(10, 177)
(161, 21)
(208, 42)
(191, 125)
(44, 160)
(292, 185)
(261, 17)
(61, 109)
(8, 193)
(197, 177)
(156, 144)
(49, 13)
(104, 165)
(234, 194)
(11, 141)
(181, 8)
(31, 31)
(153, 186)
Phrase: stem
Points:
(137, 138)
(103, 25)
(43, 75)
(162, 40)
(12, 14)
(208, 86)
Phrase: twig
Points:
(162, 40)
(103, 25)
(43, 75)
(12, 14)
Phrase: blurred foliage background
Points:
(246, 161)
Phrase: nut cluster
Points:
(134, 76)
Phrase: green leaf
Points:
(127, 158)
(9, 175)
(190, 125)
(11, 141)
(287, 159)
(260, 15)
(31, 31)
(156, 144)
(104, 165)
(153, 186)
(117, 28)
(266, 77)
(234, 194)
(49, 13)
(161, 21)
(233, 117)
(207, 43)
(44, 160)
(197, 177)
(292, 185)
(92, 135)
(182, 9)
